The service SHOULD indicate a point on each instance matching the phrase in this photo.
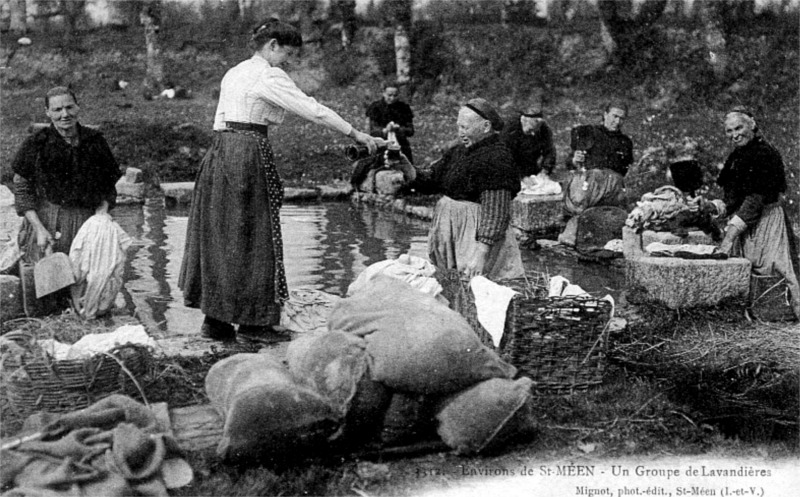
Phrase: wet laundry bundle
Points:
(488, 414)
(416, 343)
(97, 255)
(336, 365)
(267, 411)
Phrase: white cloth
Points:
(307, 310)
(491, 303)
(97, 255)
(561, 287)
(97, 343)
(255, 92)
(414, 270)
(614, 245)
(540, 184)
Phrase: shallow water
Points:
(326, 246)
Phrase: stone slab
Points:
(695, 237)
(683, 283)
(631, 243)
(134, 175)
(127, 189)
(335, 191)
(634, 243)
(10, 297)
(388, 182)
(296, 194)
(179, 192)
(537, 213)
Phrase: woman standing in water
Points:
(233, 263)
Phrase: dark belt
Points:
(258, 128)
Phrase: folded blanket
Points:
(112, 448)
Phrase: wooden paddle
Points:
(52, 273)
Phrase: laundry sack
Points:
(97, 255)
(336, 365)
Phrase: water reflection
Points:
(326, 246)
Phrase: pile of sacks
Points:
(395, 364)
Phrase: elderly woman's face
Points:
(63, 112)
(739, 129)
(472, 128)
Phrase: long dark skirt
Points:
(233, 263)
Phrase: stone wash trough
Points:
(682, 283)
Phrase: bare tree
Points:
(150, 18)
(624, 34)
(18, 14)
(346, 11)
(714, 37)
(398, 13)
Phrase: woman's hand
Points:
(43, 237)
(368, 141)
(476, 264)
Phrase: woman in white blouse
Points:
(233, 263)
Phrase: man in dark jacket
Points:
(530, 140)
(601, 155)
(390, 114)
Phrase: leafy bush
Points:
(343, 67)
(164, 151)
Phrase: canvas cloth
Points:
(771, 249)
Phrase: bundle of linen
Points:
(396, 365)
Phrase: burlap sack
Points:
(266, 411)
(487, 415)
(335, 364)
(409, 419)
(417, 344)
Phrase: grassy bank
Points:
(167, 138)
(637, 412)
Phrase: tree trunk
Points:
(347, 13)
(714, 38)
(623, 36)
(18, 15)
(150, 18)
(402, 49)
(72, 11)
(398, 14)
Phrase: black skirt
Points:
(233, 263)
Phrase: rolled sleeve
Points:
(277, 87)
(495, 215)
(751, 209)
(25, 198)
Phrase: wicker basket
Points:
(34, 381)
(558, 342)
(769, 298)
